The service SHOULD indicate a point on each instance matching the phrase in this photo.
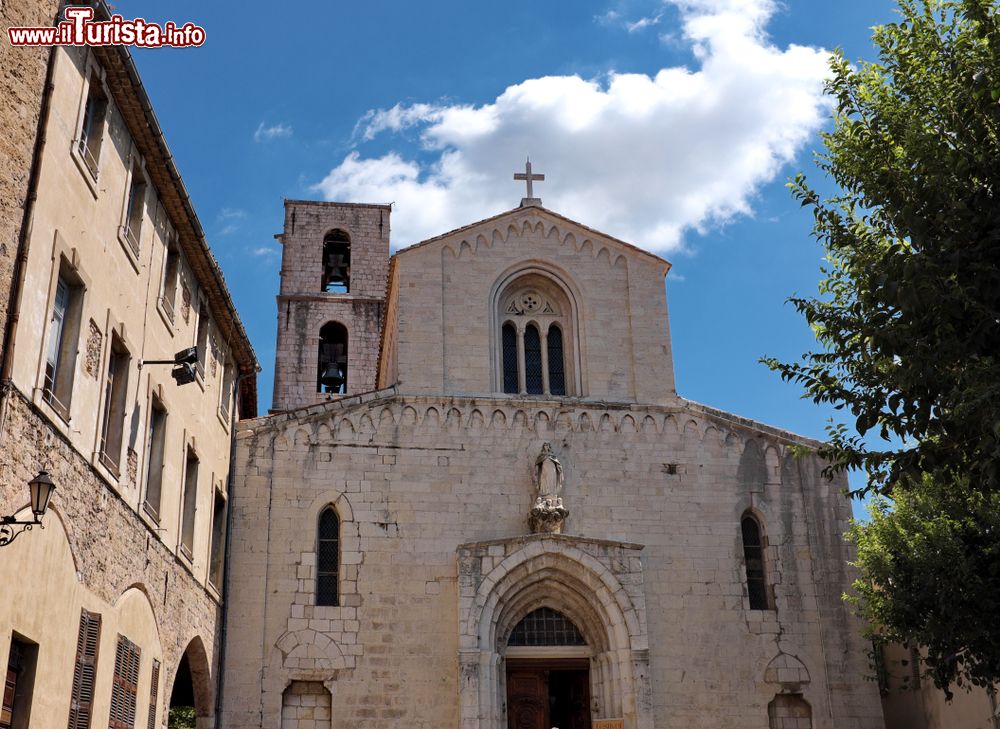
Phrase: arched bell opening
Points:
(331, 376)
(336, 262)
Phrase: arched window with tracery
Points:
(754, 561)
(328, 558)
(336, 262)
(331, 376)
(535, 352)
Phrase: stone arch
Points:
(476, 420)
(194, 670)
(63, 532)
(554, 573)
(139, 591)
(498, 420)
(520, 419)
(313, 655)
(788, 671)
(338, 500)
(408, 417)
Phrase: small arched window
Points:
(336, 262)
(328, 558)
(331, 376)
(753, 555)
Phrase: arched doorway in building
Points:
(548, 673)
(191, 700)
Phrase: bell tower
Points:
(331, 302)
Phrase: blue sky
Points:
(674, 124)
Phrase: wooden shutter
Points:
(125, 685)
(154, 690)
(87, 642)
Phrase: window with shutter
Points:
(87, 642)
(154, 690)
(125, 685)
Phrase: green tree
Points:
(908, 322)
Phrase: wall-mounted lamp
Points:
(183, 362)
(40, 489)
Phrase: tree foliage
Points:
(908, 323)
(909, 312)
(931, 560)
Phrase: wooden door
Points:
(579, 700)
(527, 699)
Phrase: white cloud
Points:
(266, 133)
(264, 252)
(608, 18)
(228, 220)
(643, 23)
(641, 157)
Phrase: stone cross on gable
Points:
(528, 177)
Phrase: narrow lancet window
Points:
(557, 369)
(533, 361)
(753, 554)
(328, 558)
(510, 358)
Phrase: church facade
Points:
(480, 503)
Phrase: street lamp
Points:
(183, 362)
(40, 489)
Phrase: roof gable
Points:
(535, 218)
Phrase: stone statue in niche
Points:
(548, 513)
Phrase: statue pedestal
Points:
(547, 515)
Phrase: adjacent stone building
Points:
(481, 503)
(111, 610)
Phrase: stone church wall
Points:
(414, 478)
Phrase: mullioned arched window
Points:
(536, 351)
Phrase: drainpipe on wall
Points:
(230, 480)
